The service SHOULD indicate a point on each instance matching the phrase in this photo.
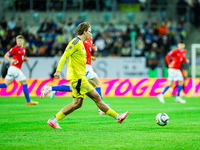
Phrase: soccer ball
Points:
(162, 119)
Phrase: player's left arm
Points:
(185, 59)
(94, 49)
(93, 58)
(25, 58)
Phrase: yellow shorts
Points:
(80, 87)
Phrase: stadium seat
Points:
(59, 16)
(83, 16)
(36, 16)
(106, 16)
(130, 16)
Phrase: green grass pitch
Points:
(25, 127)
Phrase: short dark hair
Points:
(83, 27)
(20, 37)
(181, 42)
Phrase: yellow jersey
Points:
(76, 54)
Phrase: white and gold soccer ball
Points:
(162, 119)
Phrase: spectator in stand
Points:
(145, 29)
(4, 41)
(58, 30)
(70, 26)
(165, 43)
(102, 28)
(79, 21)
(115, 49)
(149, 38)
(100, 43)
(162, 30)
(152, 57)
(125, 37)
(31, 45)
(32, 30)
(155, 28)
(137, 30)
(181, 31)
(44, 26)
(126, 50)
(3, 23)
(11, 23)
(149, 22)
(62, 23)
(46, 35)
(139, 47)
(17, 28)
(111, 29)
(128, 28)
(52, 25)
(109, 40)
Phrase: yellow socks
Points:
(112, 113)
(60, 115)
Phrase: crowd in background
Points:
(152, 39)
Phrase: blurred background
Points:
(134, 34)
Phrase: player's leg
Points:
(161, 96)
(97, 99)
(180, 79)
(78, 96)
(95, 82)
(180, 87)
(173, 87)
(170, 79)
(26, 93)
(9, 78)
(5, 84)
(77, 103)
(184, 86)
(48, 89)
(21, 78)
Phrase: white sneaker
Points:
(53, 94)
(161, 98)
(180, 100)
(46, 90)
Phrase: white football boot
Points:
(180, 100)
(46, 90)
(161, 98)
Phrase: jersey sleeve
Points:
(167, 58)
(11, 51)
(172, 53)
(68, 52)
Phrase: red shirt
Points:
(18, 54)
(88, 44)
(178, 57)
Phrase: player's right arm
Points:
(0, 62)
(68, 52)
(7, 57)
(167, 58)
